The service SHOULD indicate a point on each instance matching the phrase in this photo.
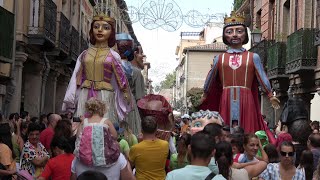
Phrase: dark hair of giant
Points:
(149, 125)
(246, 40)
(112, 37)
(224, 158)
(201, 145)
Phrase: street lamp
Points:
(256, 36)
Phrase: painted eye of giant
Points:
(197, 124)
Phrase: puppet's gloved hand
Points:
(275, 102)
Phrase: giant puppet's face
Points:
(139, 57)
(101, 31)
(235, 35)
(202, 118)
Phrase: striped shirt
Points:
(273, 173)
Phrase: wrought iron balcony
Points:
(75, 45)
(276, 60)
(317, 38)
(42, 27)
(64, 34)
(301, 51)
(260, 49)
(6, 34)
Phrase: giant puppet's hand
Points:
(275, 102)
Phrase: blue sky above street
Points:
(160, 45)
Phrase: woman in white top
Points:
(224, 159)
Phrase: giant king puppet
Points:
(232, 84)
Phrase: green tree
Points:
(237, 4)
(169, 81)
(194, 95)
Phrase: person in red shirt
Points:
(59, 167)
(47, 134)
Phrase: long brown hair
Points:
(184, 141)
(224, 158)
(306, 162)
(127, 132)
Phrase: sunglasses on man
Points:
(284, 154)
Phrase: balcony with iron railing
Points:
(42, 27)
(6, 35)
(64, 40)
(74, 44)
(276, 60)
(260, 49)
(301, 51)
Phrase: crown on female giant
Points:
(234, 19)
(99, 14)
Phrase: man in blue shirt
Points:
(201, 152)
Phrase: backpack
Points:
(95, 145)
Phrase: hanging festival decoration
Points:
(165, 14)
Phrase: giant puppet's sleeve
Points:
(70, 98)
(212, 88)
(261, 75)
(121, 87)
(211, 75)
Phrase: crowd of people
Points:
(55, 147)
(240, 155)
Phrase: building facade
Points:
(289, 47)
(43, 40)
(193, 69)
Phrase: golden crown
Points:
(234, 19)
(99, 14)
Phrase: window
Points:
(282, 36)
(296, 11)
(272, 22)
(258, 19)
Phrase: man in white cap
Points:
(185, 119)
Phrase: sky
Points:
(159, 45)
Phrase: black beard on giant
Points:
(235, 41)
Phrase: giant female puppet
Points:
(232, 84)
(98, 73)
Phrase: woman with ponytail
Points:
(224, 159)
(180, 160)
